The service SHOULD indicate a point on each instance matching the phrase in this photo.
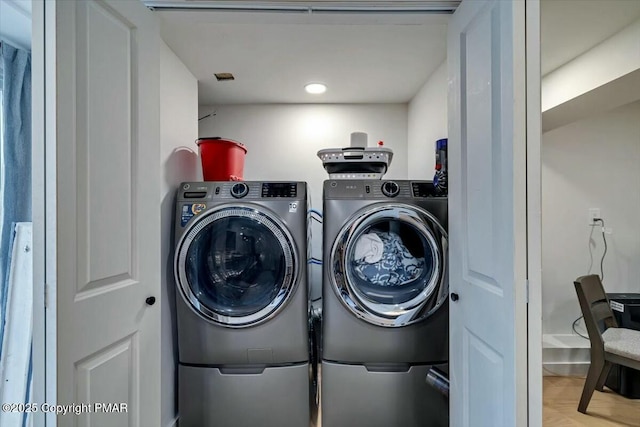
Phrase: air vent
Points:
(224, 77)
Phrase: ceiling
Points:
(363, 58)
(569, 28)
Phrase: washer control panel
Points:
(246, 190)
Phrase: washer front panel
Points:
(236, 265)
(389, 264)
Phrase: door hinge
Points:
(526, 284)
(46, 296)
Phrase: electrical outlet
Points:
(593, 214)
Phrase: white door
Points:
(108, 211)
(487, 214)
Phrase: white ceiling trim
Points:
(318, 6)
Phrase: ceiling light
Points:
(316, 88)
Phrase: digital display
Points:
(423, 189)
(279, 189)
(195, 194)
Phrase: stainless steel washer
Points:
(240, 271)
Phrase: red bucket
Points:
(222, 159)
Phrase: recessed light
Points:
(316, 88)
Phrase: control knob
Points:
(239, 190)
(390, 189)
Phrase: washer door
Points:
(389, 264)
(236, 266)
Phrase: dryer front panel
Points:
(237, 266)
(389, 264)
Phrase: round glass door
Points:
(236, 266)
(389, 264)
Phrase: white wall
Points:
(590, 158)
(613, 58)
(593, 163)
(605, 77)
(178, 130)
(282, 142)
(427, 123)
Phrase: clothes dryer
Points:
(385, 307)
(242, 309)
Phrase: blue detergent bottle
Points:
(440, 176)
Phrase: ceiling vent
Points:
(224, 77)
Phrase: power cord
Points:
(590, 251)
(604, 253)
(604, 239)
(575, 322)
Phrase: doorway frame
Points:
(44, 211)
(38, 180)
(534, 212)
(44, 190)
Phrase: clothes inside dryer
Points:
(391, 262)
(394, 266)
(236, 266)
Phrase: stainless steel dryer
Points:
(240, 270)
(385, 308)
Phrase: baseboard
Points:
(565, 355)
(567, 369)
(564, 341)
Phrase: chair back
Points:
(595, 308)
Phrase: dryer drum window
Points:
(390, 264)
(237, 266)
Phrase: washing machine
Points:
(385, 309)
(242, 309)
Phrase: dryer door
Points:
(389, 264)
(236, 266)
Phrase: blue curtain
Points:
(16, 154)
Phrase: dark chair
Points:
(609, 343)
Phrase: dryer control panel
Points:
(378, 189)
